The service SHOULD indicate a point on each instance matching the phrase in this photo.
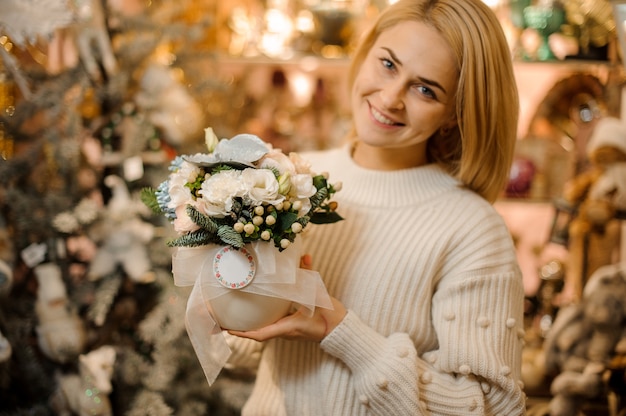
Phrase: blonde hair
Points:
(479, 150)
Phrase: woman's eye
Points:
(387, 63)
(423, 90)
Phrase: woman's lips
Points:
(381, 118)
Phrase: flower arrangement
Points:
(241, 191)
(228, 206)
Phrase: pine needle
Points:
(229, 236)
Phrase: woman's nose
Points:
(392, 95)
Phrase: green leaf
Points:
(148, 197)
(325, 217)
(196, 185)
(320, 182)
(220, 168)
(285, 220)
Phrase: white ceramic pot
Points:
(241, 307)
(245, 311)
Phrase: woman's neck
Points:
(388, 158)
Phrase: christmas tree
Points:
(95, 101)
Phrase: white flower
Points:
(218, 191)
(300, 164)
(302, 189)
(261, 186)
(275, 159)
(246, 183)
(302, 186)
(180, 195)
(210, 139)
(183, 223)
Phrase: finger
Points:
(306, 261)
(262, 334)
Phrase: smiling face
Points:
(403, 93)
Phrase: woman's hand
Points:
(299, 326)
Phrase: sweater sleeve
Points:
(473, 371)
(245, 353)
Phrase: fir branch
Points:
(229, 236)
(202, 220)
(194, 239)
(304, 220)
(316, 200)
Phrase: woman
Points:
(427, 293)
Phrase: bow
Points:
(277, 274)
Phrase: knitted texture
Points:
(434, 294)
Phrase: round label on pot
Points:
(234, 268)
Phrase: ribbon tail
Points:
(205, 335)
(311, 285)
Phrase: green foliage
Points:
(320, 182)
(319, 197)
(220, 168)
(195, 239)
(229, 236)
(285, 220)
(148, 197)
(204, 221)
(325, 217)
(195, 186)
(214, 230)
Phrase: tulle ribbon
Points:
(277, 274)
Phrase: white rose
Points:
(183, 223)
(218, 191)
(261, 186)
(302, 186)
(302, 189)
(180, 195)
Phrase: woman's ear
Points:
(447, 127)
(451, 123)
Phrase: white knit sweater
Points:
(428, 273)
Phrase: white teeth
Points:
(381, 118)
